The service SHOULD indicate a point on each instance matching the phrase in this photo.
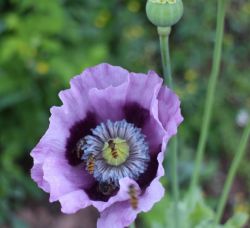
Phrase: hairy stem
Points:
(165, 55)
(166, 64)
(210, 92)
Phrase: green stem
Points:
(166, 64)
(165, 56)
(232, 172)
(210, 92)
(174, 171)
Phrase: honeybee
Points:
(106, 189)
(91, 164)
(78, 149)
(114, 152)
(133, 196)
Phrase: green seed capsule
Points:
(164, 13)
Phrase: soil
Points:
(42, 217)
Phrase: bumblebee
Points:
(133, 196)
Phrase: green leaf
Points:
(237, 221)
(200, 213)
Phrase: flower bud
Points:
(164, 13)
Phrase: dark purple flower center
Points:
(134, 114)
(77, 131)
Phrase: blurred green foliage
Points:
(193, 213)
(44, 43)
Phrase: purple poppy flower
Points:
(105, 145)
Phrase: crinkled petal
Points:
(169, 110)
(155, 191)
(108, 103)
(64, 178)
(51, 170)
(121, 213)
(103, 76)
(37, 176)
(142, 88)
(40, 152)
(74, 201)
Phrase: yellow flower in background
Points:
(229, 40)
(241, 204)
(180, 92)
(190, 75)
(134, 6)
(191, 88)
(134, 32)
(102, 19)
(246, 8)
(42, 67)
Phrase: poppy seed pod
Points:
(164, 13)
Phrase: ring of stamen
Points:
(115, 150)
